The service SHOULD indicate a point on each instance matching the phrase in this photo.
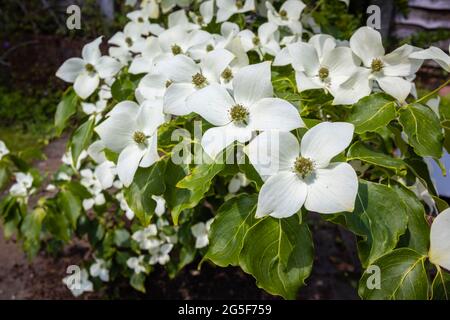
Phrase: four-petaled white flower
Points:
(22, 187)
(160, 254)
(131, 130)
(304, 175)
(78, 286)
(86, 73)
(288, 15)
(200, 231)
(251, 108)
(227, 8)
(136, 264)
(267, 40)
(147, 237)
(99, 269)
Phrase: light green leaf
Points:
(65, 109)
(137, 281)
(423, 129)
(229, 228)
(372, 112)
(81, 138)
(403, 277)
(360, 152)
(71, 206)
(31, 231)
(279, 254)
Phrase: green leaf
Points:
(279, 254)
(441, 286)
(147, 182)
(372, 112)
(137, 281)
(403, 277)
(121, 237)
(31, 231)
(81, 138)
(419, 230)
(377, 219)
(65, 109)
(358, 151)
(229, 228)
(423, 129)
(71, 206)
(4, 175)
(123, 89)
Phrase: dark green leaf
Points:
(66, 108)
(81, 138)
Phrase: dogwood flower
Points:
(136, 264)
(304, 175)
(267, 40)
(238, 181)
(178, 40)
(200, 231)
(206, 13)
(439, 252)
(250, 108)
(188, 77)
(99, 269)
(147, 237)
(390, 70)
(94, 109)
(79, 284)
(160, 254)
(145, 62)
(288, 15)
(126, 42)
(22, 187)
(3, 149)
(227, 8)
(436, 54)
(130, 130)
(86, 73)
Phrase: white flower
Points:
(252, 108)
(67, 158)
(288, 15)
(130, 130)
(126, 43)
(94, 109)
(303, 175)
(136, 264)
(179, 40)
(3, 149)
(77, 288)
(141, 18)
(21, 188)
(206, 13)
(238, 181)
(99, 269)
(146, 61)
(200, 231)
(160, 205)
(147, 237)
(439, 253)
(267, 40)
(188, 77)
(124, 206)
(390, 70)
(86, 73)
(319, 64)
(227, 8)
(160, 254)
(436, 54)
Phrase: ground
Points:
(334, 275)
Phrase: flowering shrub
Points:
(215, 133)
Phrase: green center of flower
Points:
(324, 73)
(140, 19)
(303, 166)
(199, 80)
(139, 137)
(168, 83)
(176, 49)
(227, 75)
(256, 41)
(377, 65)
(129, 41)
(200, 20)
(283, 15)
(89, 67)
(239, 4)
(239, 114)
(209, 47)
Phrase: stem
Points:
(433, 92)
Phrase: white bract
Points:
(160, 254)
(99, 269)
(266, 42)
(436, 54)
(22, 187)
(304, 175)
(147, 237)
(250, 108)
(130, 130)
(79, 284)
(3, 149)
(288, 15)
(200, 231)
(126, 43)
(439, 253)
(227, 8)
(136, 264)
(85, 73)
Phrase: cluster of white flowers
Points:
(23, 187)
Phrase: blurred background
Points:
(34, 42)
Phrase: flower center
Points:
(303, 166)
(239, 114)
(324, 73)
(209, 47)
(89, 67)
(200, 20)
(283, 15)
(377, 65)
(140, 19)
(129, 41)
(227, 75)
(239, 4)
(168, 83)
(139, 137)
(176, 49)
(199, 80)
(256, 41)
